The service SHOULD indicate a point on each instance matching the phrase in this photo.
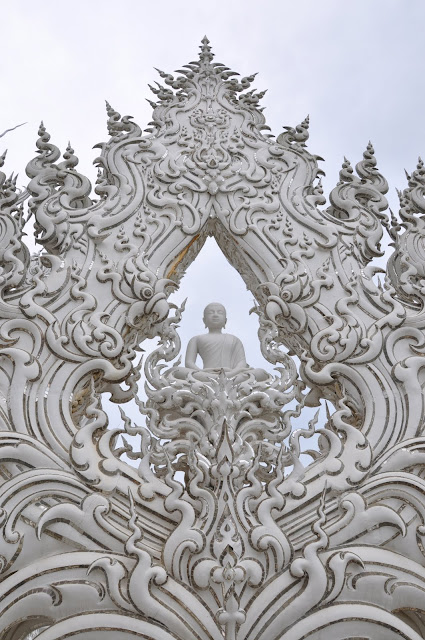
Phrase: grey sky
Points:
(356, 68)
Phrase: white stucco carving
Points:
(252, 544)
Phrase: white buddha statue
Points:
(217, 350)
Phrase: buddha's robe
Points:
(217, 351)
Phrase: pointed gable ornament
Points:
(218, 528)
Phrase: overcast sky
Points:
(356, 68)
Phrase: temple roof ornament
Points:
(202, 519)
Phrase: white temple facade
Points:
(218, 529)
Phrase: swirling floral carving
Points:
(219, 527)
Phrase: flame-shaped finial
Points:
(205, 56)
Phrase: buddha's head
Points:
(215, 316)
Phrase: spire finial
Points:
(205, 55)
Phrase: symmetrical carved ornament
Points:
(218, 529)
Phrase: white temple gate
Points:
(253, 544)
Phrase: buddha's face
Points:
(215, 316)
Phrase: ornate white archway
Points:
(253, 545)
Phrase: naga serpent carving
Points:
(218, 529)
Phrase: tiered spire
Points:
(206, 55)
(197, 69)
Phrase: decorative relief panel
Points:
(219, 529)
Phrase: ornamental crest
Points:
(202, 520)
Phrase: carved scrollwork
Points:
(218, 527)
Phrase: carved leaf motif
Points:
(221, 530)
